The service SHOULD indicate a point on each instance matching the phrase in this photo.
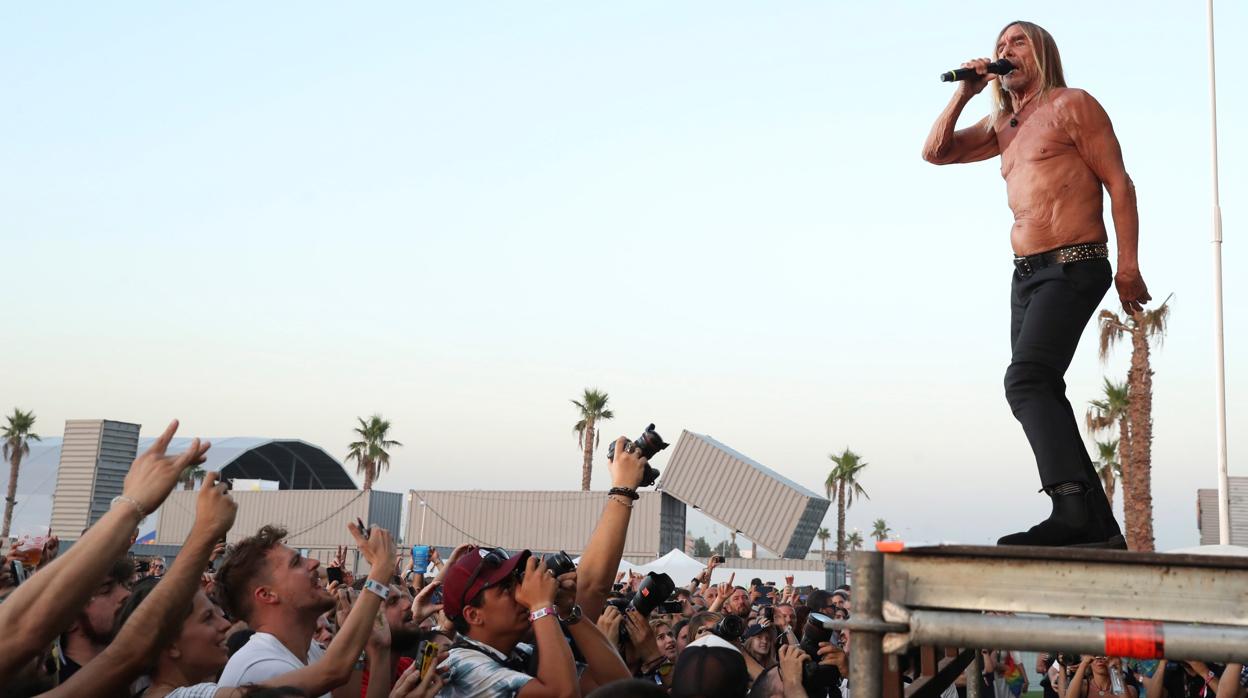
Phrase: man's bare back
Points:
(1055, 196)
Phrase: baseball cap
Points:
(476, 569)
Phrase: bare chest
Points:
(1038, 138)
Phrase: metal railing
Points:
(1143, 605)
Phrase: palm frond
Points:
(1112, 329)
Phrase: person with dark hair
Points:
(154, 612)
(710, 667)
(784, 680)
(92, 629)
(280, 594)
(35, 613)
(701, 623)
(1059, 154)
(494, 600)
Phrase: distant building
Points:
(1207, 513)
(315, 497)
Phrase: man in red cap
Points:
(494, 600)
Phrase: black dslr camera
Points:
(815, 678)
(560, 563)
(649, 443)
(730, 628)
(654, 589)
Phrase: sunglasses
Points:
(490, 560)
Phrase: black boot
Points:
(1077, 520)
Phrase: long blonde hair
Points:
(1048, 60)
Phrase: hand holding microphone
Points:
(977, 74)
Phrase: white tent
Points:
(624, 565)
(677, 565)
(682, 568)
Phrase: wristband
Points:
(625, 491)
(377, 588)
(542, 613)
(123, 498)
(622, 500)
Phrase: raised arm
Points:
(1090, 128)
(556, 669)
(946, 146)
(1229, 685)
(1075, 689)
(157, 618)
(38, 610)
(334, 669)
(606, 546)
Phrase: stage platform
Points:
(1071, 582)
(952, 601)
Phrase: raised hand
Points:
(792, 657)
(154, 474)
(423, 605)
(641, 635)
(340, 555)
(975, 86)
(565, 596)
(214, 508)
(609, 623)
(627, 467)
(538, 588)
(411, 685)
(378, 550)
(831, 655)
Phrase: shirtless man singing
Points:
(1057, 150)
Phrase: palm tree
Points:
(823, 536)
(593, 407)
(370, 454)
(1108, 467)
(880, 530)
(1105, 415)
(842, 486)
(854, 541)
(17, 436)
(191, 475)
(1137, 485)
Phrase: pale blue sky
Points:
(268, 219)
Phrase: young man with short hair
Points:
(280, 594)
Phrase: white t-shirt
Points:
(264, 657)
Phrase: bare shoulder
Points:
(1077, 105)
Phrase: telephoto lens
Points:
(816, 678)
(730, 628)
(654, 589)
(560, 563)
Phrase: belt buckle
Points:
(1023, 265)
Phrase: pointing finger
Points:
(162, 441)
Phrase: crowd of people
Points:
(259, 618)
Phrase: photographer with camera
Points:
(629, 465)
(494, 600)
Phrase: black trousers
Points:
(1049, 310)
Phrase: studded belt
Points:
(1029, 265)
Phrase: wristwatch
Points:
(574, 616)
(542, 613)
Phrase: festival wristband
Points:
(542, 613)
(377, 588)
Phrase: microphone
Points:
(1000, 67)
